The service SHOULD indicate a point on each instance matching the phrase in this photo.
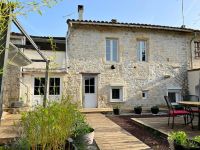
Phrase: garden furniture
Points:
(173, 113)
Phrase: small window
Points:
(39, 84)
(54, 86)
(116, 94)
(197, 49)
(112, 50)
(144, 94)
(174, 95)
(142, 50)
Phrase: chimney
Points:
(114, 20)
(80, 12)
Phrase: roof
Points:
(44, 43)
(114, 23)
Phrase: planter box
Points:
(181, 147)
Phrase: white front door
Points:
(89, 91)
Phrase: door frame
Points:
(95, 75)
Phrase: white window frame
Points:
(140, 50)
(55, 86)
(37, 86)
(177, 94)
(145, 94)
(48, 86)
(121, 99)
(112, 50)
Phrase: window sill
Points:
(117, 101)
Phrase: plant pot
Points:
(182, 147)
(154, 110)
(89, 137)
(138, 110)
(116, 111)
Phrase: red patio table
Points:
(192, 104)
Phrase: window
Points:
(142, 50)
(112, 50)
(197, 49)
(39, 84)
(89, 84)
(54, 86)
(116, 94)
(174, 95)
(144, 94)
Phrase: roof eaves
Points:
(136, 25)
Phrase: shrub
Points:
(50, 127)
(138, 109)
(154, 109)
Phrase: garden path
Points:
(110, 136)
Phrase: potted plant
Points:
(154, 109)
(116, 110)
(179, 141)
(138, 109)
(84, 132)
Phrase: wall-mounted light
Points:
(112, 67)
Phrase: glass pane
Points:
(51, 90)
(108, 49)
(92, 89)
(42, 81)
(37, 81)
(172, 96)
(115, 51)
(57, 91)
(57, 81)
(87, 88)
(36, 91)
(51, 82)
(87, 81)
(115, 93)
(92, 81)
(41, 91)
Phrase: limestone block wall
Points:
(167, 55)
(11, 85)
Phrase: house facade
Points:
(103, 64)
(128, 64)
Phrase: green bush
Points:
(50, 127)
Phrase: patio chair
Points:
(193, 98)
(173, 113)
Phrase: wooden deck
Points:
(110, 136)
(160, 124)
(96, 110)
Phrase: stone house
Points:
(102, 64)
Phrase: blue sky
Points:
(159, 12)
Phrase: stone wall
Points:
(167, 55)
(11, 85)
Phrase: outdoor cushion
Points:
(179, 112)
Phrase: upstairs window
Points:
(142, 50)
(197, 49)
(112, 50)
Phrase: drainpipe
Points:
(66, 52)
(191, 61)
